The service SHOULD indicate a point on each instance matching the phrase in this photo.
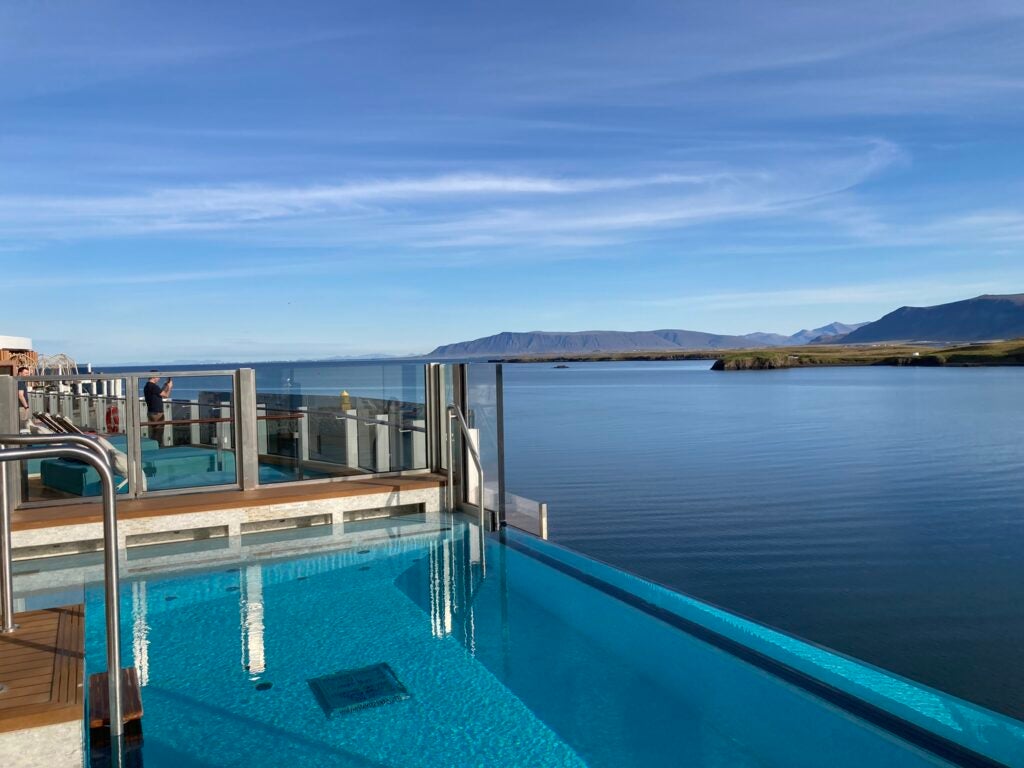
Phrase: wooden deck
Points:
(75, 514)
(42, 663)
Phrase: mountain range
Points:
(982, 318)
(583, 342)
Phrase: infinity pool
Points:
(551, 659)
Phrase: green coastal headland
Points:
(773, 358)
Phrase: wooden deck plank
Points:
(24, 653)
(28, 676)
(74, 683)
(38, 694)
(34, 640)
(36, 623)
(77, 678)
(28, 518)
(43, 663)
(29, 688)
(59, 666)
(17, 706)
(99, 698)
(43, 666)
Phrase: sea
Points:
(877, 511)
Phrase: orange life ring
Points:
(113, 420)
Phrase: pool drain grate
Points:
(353, 689)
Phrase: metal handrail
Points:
(85, 377)
(174, 422)
(402, 426)
(454, 411)
(63, 446)
(7, 593)
(36, 440)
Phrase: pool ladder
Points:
(454, 414)
(88, 451)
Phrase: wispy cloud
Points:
(203, 207)
(890, 293)
(465, 208)
(155, 278)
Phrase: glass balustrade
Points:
(325, 420)
(97, 407)
(187, 431)
(178, 430)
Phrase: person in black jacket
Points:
(154, 397)
(24, 410)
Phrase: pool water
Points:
(551, 659)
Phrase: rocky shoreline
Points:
(998, 353)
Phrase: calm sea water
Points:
(877, 511)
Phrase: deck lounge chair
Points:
(60, 425)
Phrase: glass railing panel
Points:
(446, 378)
(94, 406)
(187, 435)
(485, 395)
(526, 514)
(447, 373)
(482, 416)
(327, 420)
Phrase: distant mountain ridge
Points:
(583, 342)
(825, 334)
(983, 318)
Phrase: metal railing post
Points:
(10, 423)
(499, 418)
(247, 441)
(6, 571)
(432, 416)
(133, 433)
(449, 489)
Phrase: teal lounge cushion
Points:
(176, 467)
(120, 442)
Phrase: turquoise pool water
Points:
(551, 659)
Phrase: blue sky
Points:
(248, 181)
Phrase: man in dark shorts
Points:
(154, 396)
(24, 411)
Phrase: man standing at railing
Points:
(24, 409)
(154, 396)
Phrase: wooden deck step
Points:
(42, 664)
(99, 698)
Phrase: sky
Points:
(245, 180)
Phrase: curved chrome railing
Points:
(454, 412)
(82, 449)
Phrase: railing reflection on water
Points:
(251, 605)
(454, 574)
(140, 631)
(445, 573)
